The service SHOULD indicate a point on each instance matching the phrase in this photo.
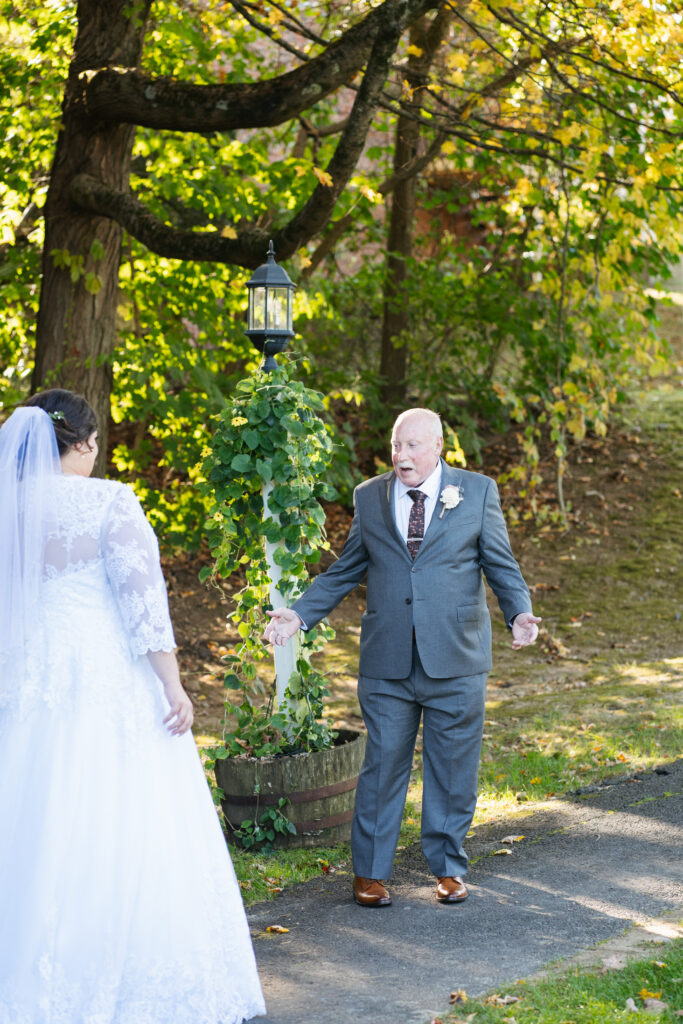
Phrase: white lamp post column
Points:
(270, 328)
(285, 657)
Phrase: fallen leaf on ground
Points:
(459, 996)
(512, 839)
(277, 928)
(502, 853)
(659, 963)
(496, 1000)
(646, 994)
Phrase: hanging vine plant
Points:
(270, 436)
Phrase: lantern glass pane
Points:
(277, 309)
(257, 309)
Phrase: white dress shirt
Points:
(402, 502)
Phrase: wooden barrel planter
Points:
(320, 787)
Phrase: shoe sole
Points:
(452, 899)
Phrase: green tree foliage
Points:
(546, 196)
(35, 45)
(547, 199)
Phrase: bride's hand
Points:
(180, 717)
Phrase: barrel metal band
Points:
(301, 797)
(318, 824)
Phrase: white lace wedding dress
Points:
(118, 900)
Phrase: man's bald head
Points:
(416, 443)
(432, 421)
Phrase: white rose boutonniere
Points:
(451, 497)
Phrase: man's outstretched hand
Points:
(524, 630)
(282, 626)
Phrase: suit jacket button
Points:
(409, 600)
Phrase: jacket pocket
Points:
(469, 612)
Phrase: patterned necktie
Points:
(416, 522)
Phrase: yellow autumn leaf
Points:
(276, 929)
(644, 994)
(323, 177)
(459, 996)
(535, 781)
(457, 60)
(371, 194)
(414, 51)
(228, 232)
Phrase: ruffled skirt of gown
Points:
(119, 903)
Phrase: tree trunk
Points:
(393, 359)
(426, 36)
(79, 294)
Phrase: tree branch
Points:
(131, 97)
(247, 250)
(315, 213)
(249, 247)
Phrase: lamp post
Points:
(269, 327)
(269, 320)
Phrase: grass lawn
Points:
(600, 996)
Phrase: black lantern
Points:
(269, 324)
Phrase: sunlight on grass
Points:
(629, 719)
(587, 996)
(262, 876)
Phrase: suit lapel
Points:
(388, 514)
(437, 523)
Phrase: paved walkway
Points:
(588, 867)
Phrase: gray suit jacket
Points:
(441, 592)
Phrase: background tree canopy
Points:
(472, 196)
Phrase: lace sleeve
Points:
(131, 556)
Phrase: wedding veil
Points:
(29, 465)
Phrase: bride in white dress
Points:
(118, 899)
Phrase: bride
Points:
(119, 901)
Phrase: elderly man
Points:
(425, 535)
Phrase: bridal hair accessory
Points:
(57, 416)
(451, 497)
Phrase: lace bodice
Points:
(102, 520)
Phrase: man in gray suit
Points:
(425, 535)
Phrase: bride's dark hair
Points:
(72, 418)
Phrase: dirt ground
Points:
(607, 587)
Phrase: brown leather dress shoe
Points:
(369, 892)
(450, 890)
